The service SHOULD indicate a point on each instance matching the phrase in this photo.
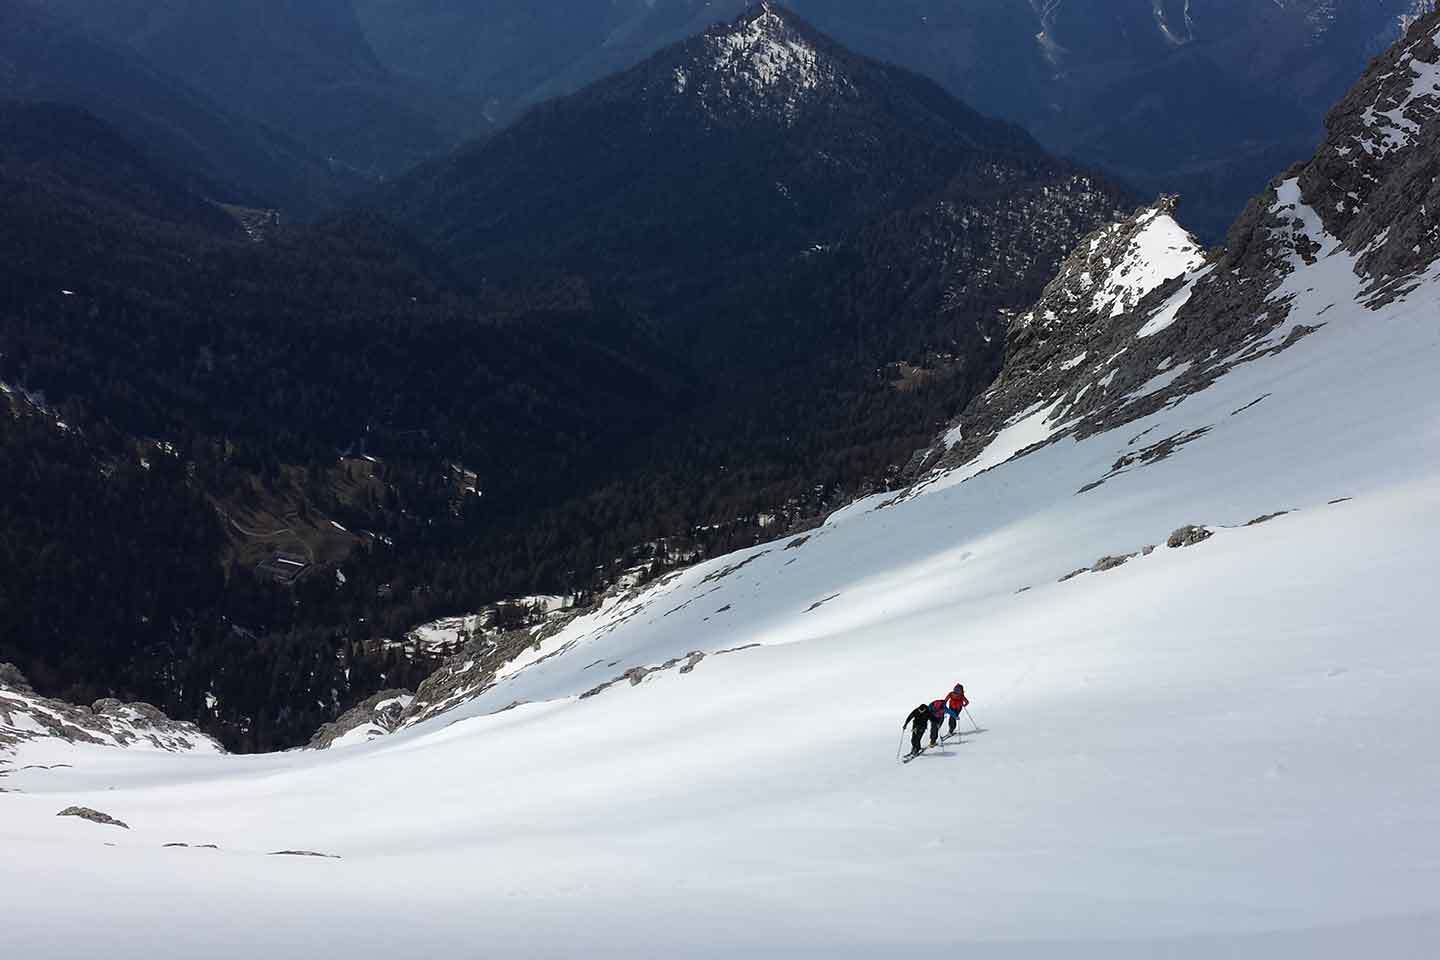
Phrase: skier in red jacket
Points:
(937, 713)
(955, 702)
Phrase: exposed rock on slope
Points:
(478, 651)
(374, 717)
(1084, 322)
(26, 717)
(11, 677)
(477, 665)
(1373, 181)
(94, 816)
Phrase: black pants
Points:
(917, 732)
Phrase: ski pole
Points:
(902, 743)
(972, 720)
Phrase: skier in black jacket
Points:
(919, 719)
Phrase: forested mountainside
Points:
(301, 67)
(180, 393)
(220, 154)
(365, 426)
(1202, 98)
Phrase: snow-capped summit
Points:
(1068, 352)
(720, 156)
(1115, 267)
(770, 67)
(766, 58)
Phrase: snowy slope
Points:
(1221, 749)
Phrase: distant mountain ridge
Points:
(301, 67)
(748, 145)
(1201, 99)
(225, 156)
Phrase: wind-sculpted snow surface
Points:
(1194, 619)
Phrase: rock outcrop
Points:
(374, 717)
(94, 816)
(13, 679)
(478, 664)
(1082, 324)
(1188, 536)
(26, 717)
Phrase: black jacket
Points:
(920, 717)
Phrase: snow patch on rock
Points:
(1396, 117)
(1159, 250)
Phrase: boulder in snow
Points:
(1188, 536)
(94, 816)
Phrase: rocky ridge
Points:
(480, 660)
(1362, 216)
(486, 656)
(27, 717)
(373, 717)
(1079, 326)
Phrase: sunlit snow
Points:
(1161, 250)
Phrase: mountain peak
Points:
(1117, 266)
(767, 57)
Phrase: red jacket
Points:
(956, 701)
(937, 708)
